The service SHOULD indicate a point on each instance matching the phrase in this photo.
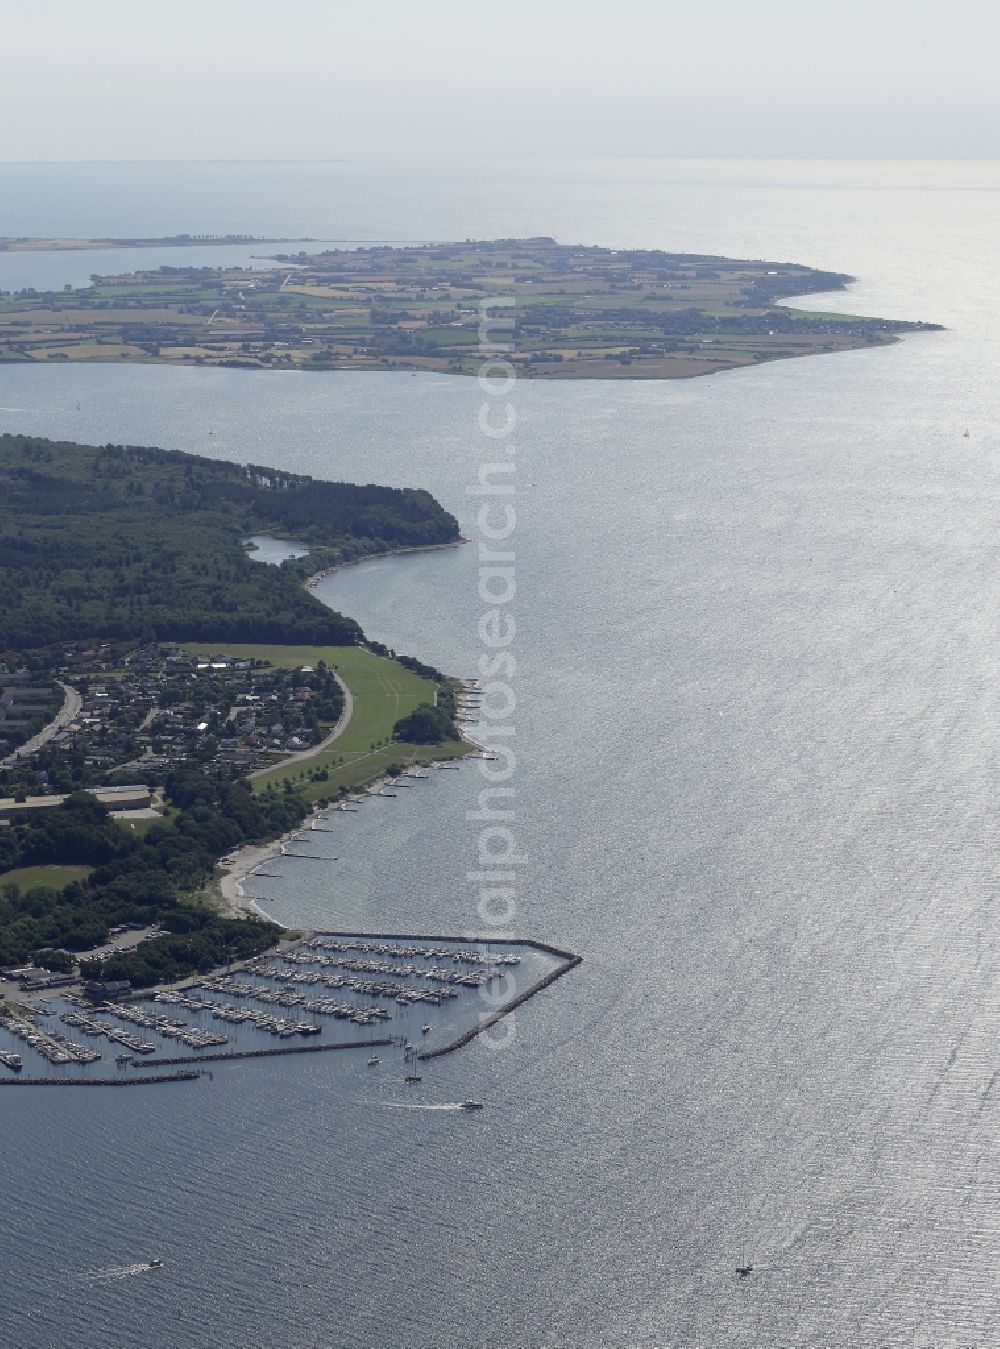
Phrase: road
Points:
(122, 941)
(313, 750)
(69, 711)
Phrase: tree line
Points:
(124, 542)
(134, 880)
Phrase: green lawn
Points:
(383, 691)
(360, 769)
(140, 828)
(55, 877)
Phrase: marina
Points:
(94, 1026)
(421, 996)
(169, 1027)
(54, 1047)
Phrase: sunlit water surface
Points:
(757, 717)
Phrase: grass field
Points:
(140, 828)
(55, 877)
(382, 690)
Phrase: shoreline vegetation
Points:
(569, 312)
(313, 580)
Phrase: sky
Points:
(323, 79)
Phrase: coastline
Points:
(311, 582)
(245, 861)
(237, 866)
(736, 317)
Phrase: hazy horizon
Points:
(387, 159)
(231, 82)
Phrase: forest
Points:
(128, 542)
(140, 880)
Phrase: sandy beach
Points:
(312, 581)
(245, 861)
(237, 866)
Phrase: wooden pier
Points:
(261, 1053)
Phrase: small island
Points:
(574, 312)
(166, 241)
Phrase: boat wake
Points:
(408, 1105)
(121, 1271)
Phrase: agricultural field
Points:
(567, 312)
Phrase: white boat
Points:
(374, 1061)
(155, 1263)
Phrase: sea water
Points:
(756, 785)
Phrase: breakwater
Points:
(262, 1053)
(468, 1036)
(147, 1079)
(469, 939)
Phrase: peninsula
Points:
(211, 701)
(122, 542)
(574, 312)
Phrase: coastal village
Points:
(134, 720)
(153, 709)
(126, 719)
(135, 715)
